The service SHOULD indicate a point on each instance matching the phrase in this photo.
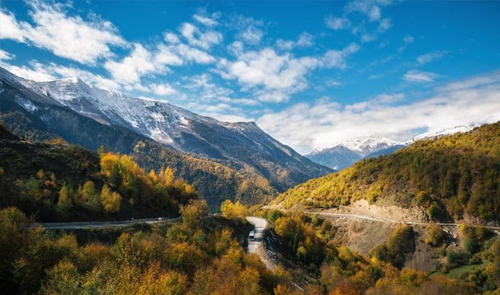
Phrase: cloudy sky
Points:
(310, 73)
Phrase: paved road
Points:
(102, 224)
(256, 245)
(387, 220)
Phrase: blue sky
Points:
(310, 73)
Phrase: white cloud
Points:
(205, 20)
(142, 61)
(48, 72)
(426, 58)
(337, 23)
(130, 69)
(9, 27)
(286, 45)
(370, 27)
(308, 126)
(4, 55)
(34, 72)
(407, 40)
(337, 58)
(369, 8)
(207, 90)
(166, 56)
(420, 77)
(305, 40)
(66, 36)
(171, 38)
(473, 82)
(162, 89)
(268, 69)
(249, 30)
(275, 77)
(252, 35)
(196, 37)
(194, 55)
(384, 25)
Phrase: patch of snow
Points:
(363, 146)
(184, 121)
(26, 104)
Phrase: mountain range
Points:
(345, 154)
(223, 160)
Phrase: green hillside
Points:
(450, 177)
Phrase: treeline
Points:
(79, 185)
(450, 177)
(181, 259)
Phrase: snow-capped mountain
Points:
(337, 157)
(345, 154)
(366, 146)
(243, 145)
(446, 131)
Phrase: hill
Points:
(57, 181)
(451, 177)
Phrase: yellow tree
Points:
(110, 200)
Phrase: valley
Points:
(249, 147)
(383, 213)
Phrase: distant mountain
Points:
(384, 152)
(89, 116)
(336, 157)
(347, 153)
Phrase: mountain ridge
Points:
(242, 148)
(345, 154)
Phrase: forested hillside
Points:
(57, 181)
(451, 177)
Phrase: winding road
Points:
(256, 245)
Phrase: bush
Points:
(435, 235)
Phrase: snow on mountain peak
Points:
(159, 120)
(446, 131)
(367, 145)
